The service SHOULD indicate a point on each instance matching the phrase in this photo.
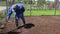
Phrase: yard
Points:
(45, 22)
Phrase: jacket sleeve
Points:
(9, 14)
(23, 9)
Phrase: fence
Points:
(33, 8)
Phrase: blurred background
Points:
(32, 7)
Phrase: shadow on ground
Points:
(13, 32)
(26, 26)
(29, 25)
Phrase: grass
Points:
(41, 12)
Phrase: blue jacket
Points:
(17, 12)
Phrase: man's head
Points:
(16, 8)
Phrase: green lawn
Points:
(42, 12)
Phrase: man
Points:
(18, 10)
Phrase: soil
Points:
(43, 25)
